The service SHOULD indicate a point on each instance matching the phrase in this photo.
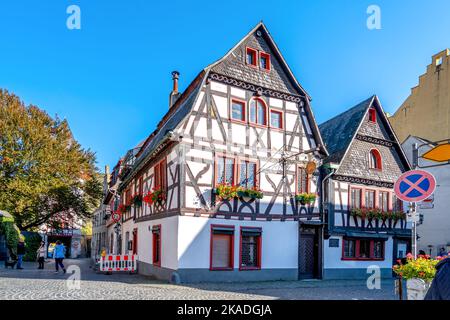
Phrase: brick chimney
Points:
(174, 95)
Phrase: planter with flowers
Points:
(252, 193)
(419, 273)
(123, 208)
(306, 198)
(156, 196)
(378, 215)
(226, 192)
(137, 200)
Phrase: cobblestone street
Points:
(31, 283)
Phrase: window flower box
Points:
(137, 200)
(306, 198)
(227, 192)
(250, 193)
(377, 214)
(156, 196)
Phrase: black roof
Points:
(338, 132)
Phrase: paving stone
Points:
(34, 284)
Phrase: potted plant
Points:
(137, 200)
(253, 193)
(157, 195)
(225, 191)
(306, 198)
(419, 274)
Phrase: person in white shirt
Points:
(41, 255)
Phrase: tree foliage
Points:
(45, 175)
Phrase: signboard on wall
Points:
(333, 243)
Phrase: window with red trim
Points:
(221, 251)
(250, 249)
(276, 119)
(372, 115)
(225, 167)
(238, 110)
(156, 244)
(161, 175)
(251, 57)
(370, 199)
(355, 198)
(375, 159)
(362, 249)
(135, 241)
(258, 112)
(264, 61)
(247, 174)
(302, 180)
(141, 185)
(383, 201)
(397, 204)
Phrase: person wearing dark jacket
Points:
(440, 287)
(20, 253)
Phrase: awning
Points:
(366, 235)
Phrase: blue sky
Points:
(111, 79)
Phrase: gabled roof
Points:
(184, 104)
(221, 65)
(338, 132)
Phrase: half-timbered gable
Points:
(250, 116)
(244, 121)
(365, 220)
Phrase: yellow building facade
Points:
(426, 112)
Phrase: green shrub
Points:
(32, 243)
(11, 232)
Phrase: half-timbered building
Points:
(226, 187)
(364, 222)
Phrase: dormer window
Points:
(252, 56)
(375, 160)
(264, 61)
(372, 115)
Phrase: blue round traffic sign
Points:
(415, 186)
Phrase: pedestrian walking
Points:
(41, 255)
(59, 253)
(20, 253)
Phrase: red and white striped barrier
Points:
(118, 262)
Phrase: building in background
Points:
(426, 112)
(365, 224)
(434, 227)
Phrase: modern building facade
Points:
(212, 193)
(365, 224)
(426, 112)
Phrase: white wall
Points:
(279, 242)
(169, 234)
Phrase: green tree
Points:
(45, 175)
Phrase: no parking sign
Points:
(415, 186)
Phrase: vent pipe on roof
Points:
(174, 95)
